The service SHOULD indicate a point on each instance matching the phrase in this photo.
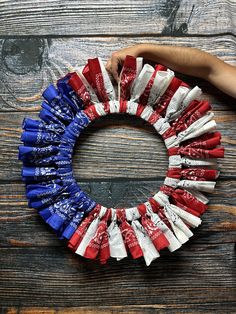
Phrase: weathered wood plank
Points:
(56, 277)
(22, 226)
(114, 146)
(36, 268)
(85, 18)
(128, 309)
(28, 65)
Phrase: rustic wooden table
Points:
(119, 161)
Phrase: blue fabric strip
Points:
(47, 159)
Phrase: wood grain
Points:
(89, 18)
(55, 277)
(46, 274)
(28, 65)
(128, 309)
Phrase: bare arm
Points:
(190, 61)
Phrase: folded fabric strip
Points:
(130, 70)
(174, 244)
(205, 141)
(130, 240)
(68, 93)
(93, 247)
(158, 238)
(81, 229)
(100, 80)
(104, 252)
(37, 125)
(185, 198)
(150, 253)
(81, 88)
(90, 232)
(167, 96)
(29, 154)
(197, 152)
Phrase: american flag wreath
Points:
(171, 107)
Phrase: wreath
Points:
(173, 109)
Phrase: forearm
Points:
(194, 62)
(190, 61)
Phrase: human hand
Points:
(118, 57)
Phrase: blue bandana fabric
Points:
(47, 160)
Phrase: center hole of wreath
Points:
(120, 161)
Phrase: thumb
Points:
(108, 66)
(114, 68)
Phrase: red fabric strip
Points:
(130, 239)
(156, 235)
(78, 86)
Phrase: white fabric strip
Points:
(139, 65)
(100, 110)
(141, 82)
(113, 214)
(180, 235)
(188, 162)
(150, 253)
(145, 115)
(102, 211)
(132, 107)
(208, 127)
(201, 197)
(116, 243)
(189, 96)
(107, 82)
(194, 93)
(161, 198)
(132, 213)
(88, 236)
(175, 161)
(198, 127)
(171, 182)
(161, 82)
(176, 102)
(205, 186)
(114, 106)
(148, 207)
(171, 141)
(182, 232)
(161, 126)
(190, 219)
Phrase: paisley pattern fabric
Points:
(155, 95)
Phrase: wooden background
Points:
(119, 161)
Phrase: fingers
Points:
(108, 66)
(112, 66)
(118, 57)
